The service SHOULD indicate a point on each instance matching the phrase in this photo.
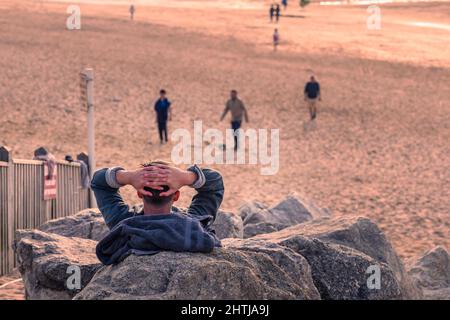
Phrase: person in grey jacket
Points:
(158, 184)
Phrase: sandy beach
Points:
(379, 147)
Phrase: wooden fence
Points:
(21, 199)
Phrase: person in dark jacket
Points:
(311, 95)
(271, 12)
(158, 184)
(132, 10)
(158, 225)
(163, 113)
(277, 12)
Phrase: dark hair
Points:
(162, 91)
(156, 199)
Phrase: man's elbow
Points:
(214, 179)
(98, 178)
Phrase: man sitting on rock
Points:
(159, 226)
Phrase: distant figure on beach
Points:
(284, 3)
(312, 94)
(277, 12)
(238, 112)
(271, 12)
(132, 10)
(276, 39)
(163, 113)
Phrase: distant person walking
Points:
(132, 11)
(238, 112)
(271, 12)
(276, 39)
(163, 113)
(312, 94)
(277, 12)
(284, 3)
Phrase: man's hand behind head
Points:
(173, 177)
(150, 177)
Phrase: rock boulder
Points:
(251, 207)
(241, 269)
(47, 261)
(292, 210)
(86, 224)
(355, 239)
(360, 234)
(228, 225)
(431, 273)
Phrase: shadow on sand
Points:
(292, 16)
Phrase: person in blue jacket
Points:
(163, 113)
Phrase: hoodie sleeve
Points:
(108, 197)
(210, 191)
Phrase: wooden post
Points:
(88, 77)
(6, 155)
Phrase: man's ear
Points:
(139, 195)
(176, 195)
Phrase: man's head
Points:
(156, 202)
(162, 93)
(312, 79)
(233, 94)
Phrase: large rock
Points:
(251, 207)
(47, 261)
(334, 245)
(86, 224)
(431, 273)
(326, 258)
(241, 269)
(341, 273)
(252, 229)
(292, 210)
(228, 225)
(361, 234)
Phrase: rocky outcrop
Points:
(47, 262)
(241, 269)
(292, 210)
(228, 225)
(317, 257)
(339, 272)
(87, 224)
(431, 273)
(251, 207)
(360, 234)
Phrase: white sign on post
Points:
(87, 100)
